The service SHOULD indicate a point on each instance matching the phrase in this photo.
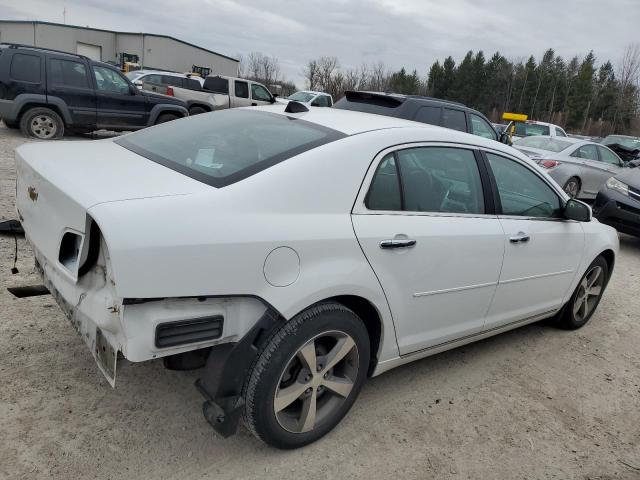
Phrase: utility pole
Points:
(64, 15)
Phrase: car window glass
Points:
(440, 179)
(481, 127)
(171, 80)
(454, 119)
(25, 68)
(258, 92)
(560, 132)
(242, 89)
(109, 80)
(430, 115)
(321, 101)
(68, 72)
(588, 152)
(384, 193)
(191, 84)
(217, 84)
(153, 79)
(521, 191)
(608, 156)
(531, 129)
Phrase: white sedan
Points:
(299, 253)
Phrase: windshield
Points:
(301, 96)
(543, 143)
(225, 147)
(629, 142)
(531, 129)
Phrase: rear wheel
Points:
(307, 376)
(166, 117)
(197, 111)
(572, 187)
(586, 297)
(43, 123)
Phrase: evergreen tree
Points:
(581, 95)
(448, 76)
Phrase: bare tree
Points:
(310, 73)
(379, 77)
(628, 73)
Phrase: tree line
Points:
(578, 94)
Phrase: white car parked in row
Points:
(301, 251)
(309, 97)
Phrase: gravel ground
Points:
(529, 404)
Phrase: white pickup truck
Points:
(219, 92)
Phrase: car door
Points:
(542, 250)
(432, 241)
(241, 94)
(260, 95)
(595, 171)
(68, 79)
(118, 105)
(614, 162)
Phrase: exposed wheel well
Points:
(371, 319)
(200, 105)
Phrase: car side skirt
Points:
(442, 347)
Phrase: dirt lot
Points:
(533, 403)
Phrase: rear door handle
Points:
(520, 237)
(397, 243)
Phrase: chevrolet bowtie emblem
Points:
(33, 193)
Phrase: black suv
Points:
(45, 91)
(421, 109)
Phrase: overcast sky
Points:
(410, 33)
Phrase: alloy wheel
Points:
(316, 381)
(43, 126)
(588, 294)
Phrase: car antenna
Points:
(296, 107)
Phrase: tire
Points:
(42, 123)
(281, 367)
(579, 310)
(572, 187)
(197, 110)
(166, 117)
(12, 125)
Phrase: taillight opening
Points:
(170, 91)
(549, 163)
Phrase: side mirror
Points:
(133, 90)
(273, 99)
(577, 210)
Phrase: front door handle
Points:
(520, 237)
(397, 243)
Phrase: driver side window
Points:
(522, 192)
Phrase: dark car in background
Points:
(429, 110)
(618, 202)
(45, 92)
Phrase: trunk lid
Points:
(57, 182)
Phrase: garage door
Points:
(94, 52)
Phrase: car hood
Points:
(631, 177)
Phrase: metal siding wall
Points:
(167, 53)
(16, 33)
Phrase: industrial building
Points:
(150, 50)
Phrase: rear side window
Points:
(229, 146)
(430, 115)
(454, 119)
(217, 84)
(69, 73)
(242, 89)
(428, 179)
(560, 132)
(152, 79)
(25, 68)
(173, 81)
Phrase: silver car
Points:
(580, 167)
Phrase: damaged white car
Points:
(294, 253)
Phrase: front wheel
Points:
(307, 376)
(586, 297)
